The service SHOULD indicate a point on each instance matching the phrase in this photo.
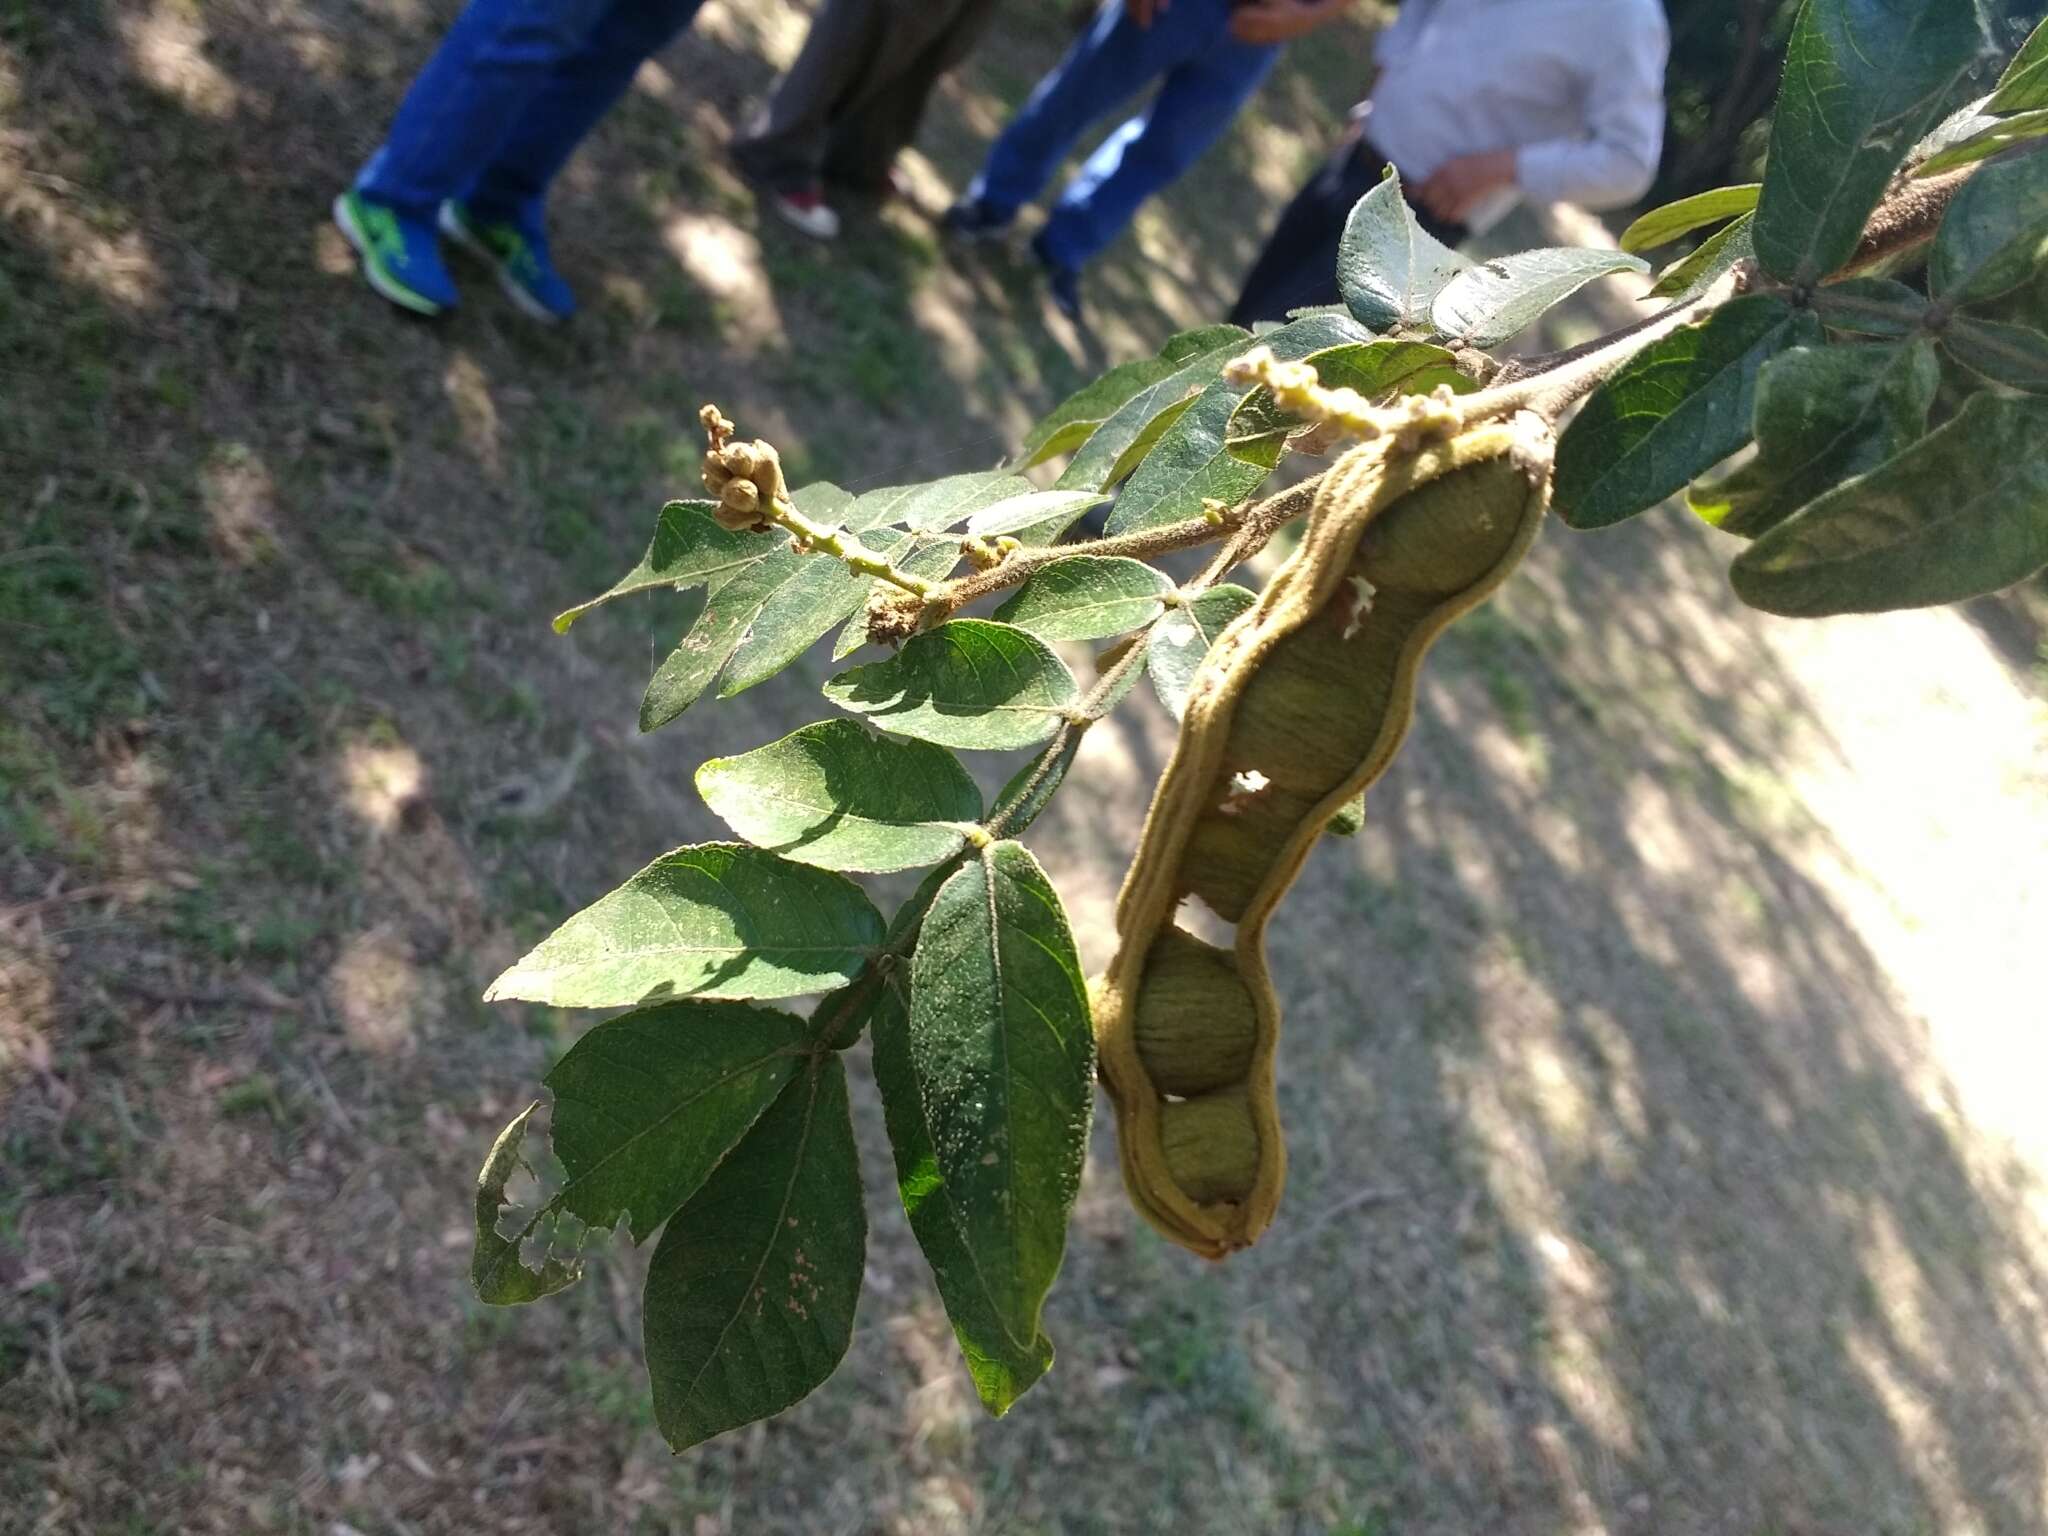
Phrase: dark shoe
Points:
(1061, 282)
(972, 219)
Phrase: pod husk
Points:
(1449, 544)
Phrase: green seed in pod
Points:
(1444, 536)
(1229, 855)
(1211, 1146)
(1310, 713)
(1194, 1023)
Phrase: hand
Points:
(1143, 11)
(1457, 186)
(1276, 21)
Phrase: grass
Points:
(1647, 1163)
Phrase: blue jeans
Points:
(1205, 75)
(507, 97)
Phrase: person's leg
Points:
(497, 58)
(1108, 64)
(583, 86)
(784, 145)
(1195, 105)
(880, 119)
(1298, 264)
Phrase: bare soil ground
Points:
(1664, 1059)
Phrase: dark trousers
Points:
(852, 100)
(1298, 267)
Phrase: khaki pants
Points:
(852, 100)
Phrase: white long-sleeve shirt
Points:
(1574, 87)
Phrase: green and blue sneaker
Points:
(401, 256)
(517, 250)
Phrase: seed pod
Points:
(1297, 708)
(1195, 1025)
(1447, 535)
(1231, 852)
(1211, 1146)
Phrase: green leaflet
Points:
(1822, 415)
(1871, 306)
(1088, 597)
(934, 504)
(968, 683)
(1031, 788)
(1036, 517)
(1389, 269)
(751, 1292)
(1661, 226)
(646, 1104)
(1490, 301)
(837, 795)
(2013, 355)
(1074, 420)
(1183, 638)
(1672, 412)
(715, 920)
(1995, 235)
(1191, 465)
(1863, 80)
(2024, 85)
(1962, 512)
(688, 549)
(1118, 445)
(500, 1276)
(1002, 1052)
(1003, 1365)
(1697, 271)
(817, 594)
(708, 644)
(1992, 136)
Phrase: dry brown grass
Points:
(1666, 1146)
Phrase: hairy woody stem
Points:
(948, 597)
